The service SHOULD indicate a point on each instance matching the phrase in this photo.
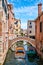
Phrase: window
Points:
(16, 29)
(16, 25)
(30, 31)
(40, 26)
(16, 22)
(8, 16)
(3, 3)
(10, 26)
(30, 26)
(4, 6)
(30, 23)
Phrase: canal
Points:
(10, 59)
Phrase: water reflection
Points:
(20, 59)
(31, 60)
(10, 60)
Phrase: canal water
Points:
(10, 60)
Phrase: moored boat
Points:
(31, 52)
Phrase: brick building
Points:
(10, 20)
(39, 27)
(3, 30)
(14, 25)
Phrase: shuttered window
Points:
(40, 26)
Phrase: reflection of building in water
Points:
(25, 45)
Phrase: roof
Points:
(16, 19)
(30, 20)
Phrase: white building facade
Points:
(31, 29)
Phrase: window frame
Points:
(40, 26)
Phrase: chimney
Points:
(39, 9)
(9, 6)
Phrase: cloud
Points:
(39, 1)
(27, 11)
(42, 8)
(24, 13)
(23, 25)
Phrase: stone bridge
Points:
(31, 41)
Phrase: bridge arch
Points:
(31, 41)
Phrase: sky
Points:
(25, 10)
